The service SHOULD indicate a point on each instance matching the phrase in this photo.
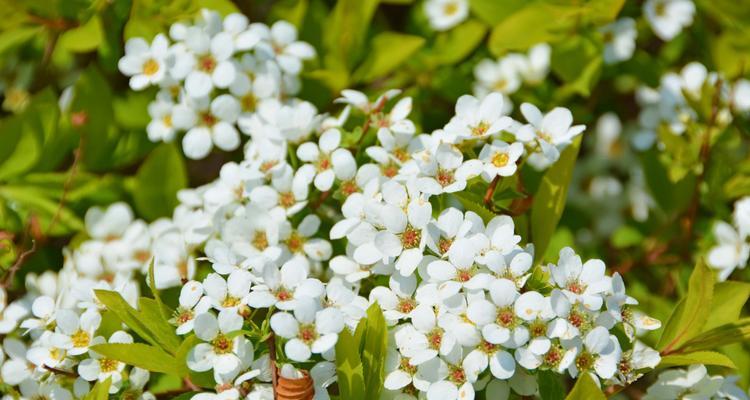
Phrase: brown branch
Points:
(491, 192)
(60, 371)
(271, 341)
(77, 154)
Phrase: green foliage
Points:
(691, 314)
(100, 391)
(157, 181)
(389, 50)
(549, 200)
(585, 388)
(697, 357)
(550, 385)
(148, 322)
(360, 357)
(141, 355)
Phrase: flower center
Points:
(307, 334)
(500, 85)
(167, 120)
(349, 187)
(411, 238)
(283, 294)
(480, 129)
(295, 243)
(230, 301)
(150, 67)
(457, 375)
(260, 241)
(553, 356)
(538, 328)
(500, 159)
(576, 287)
(207, 119)
(249, 102)
(287, 199)
(444, 245)
(406, 305)
(266, 166)
(488, 348)
(506, 318)
(435, 338)
(584, 361)
(445, 177)
(184, 316)
(207, 63)
(323, 163)
(450, 9)
(107, 364)
(390, 170)
(401, 154)
(222, 344)
(80, 338)
(406, 367)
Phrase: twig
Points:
(17, 265)
(60, 371)
(321, 199)
(66, 186)
(490, 192)
(272, 355)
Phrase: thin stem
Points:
(490, 192)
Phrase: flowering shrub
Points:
(348, 202)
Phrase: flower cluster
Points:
(217, 76)
(507, 74)
(694, 382)
(732, 248)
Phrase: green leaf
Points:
(549, 22)
(585, 388)
(344, 37)
(100, 391)
(729, 299)
(223, 7)
(387, 51)
(697, 357)
(349, 367)
(472, 202)
(148, 322)
(153, 316)
(735, 332)
(626, 236)
(493, 11)
(691, 314)
(13, 38)
(550, 385)
(33, 201)
(549, 200)
(456, 44)
(374, 352)
(84, 38)
(578, 62)
(159, 178)
(140, 355)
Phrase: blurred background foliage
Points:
(72, 134)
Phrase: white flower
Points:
(500, 159)
(741, 216)
(192, 303)
(599, 353)
(31, 389)
(208, 124)
(502, 76)
(160, 129)
(110, 223)
(731, 252)
(146, 65)
(397, 301)
(536, 65)
(16, 368)
(445, 14)
(75, 334)
(227, 356)
(741, 95)
(211, 59)
(310, 330)
(581, 282)
(668, 17)
(694, 382)
(448, 172)
(284, 287)
(477, 119)
(281, 43)
(99, 368)
(43, 308)
(619, 40)
(326, 161)
(228, 294)
(552, 131)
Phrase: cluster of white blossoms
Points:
(669, 17)
(508, 73)
(732, 248)
(671, 105)
(619, 40)
(694, 383)
(445, 14)
(217, 78)
(296, 234)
